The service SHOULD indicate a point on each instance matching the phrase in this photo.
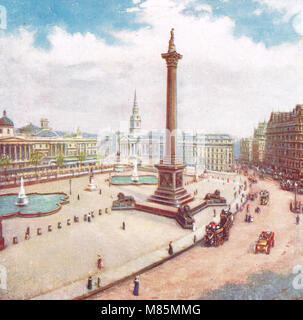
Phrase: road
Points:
(199, 271)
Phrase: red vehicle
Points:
(265, 242)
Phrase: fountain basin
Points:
(127, 180)
(39, 204)
(21, 202)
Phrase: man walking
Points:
(170, 249)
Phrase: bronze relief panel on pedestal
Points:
(166, 180)
(179, 179)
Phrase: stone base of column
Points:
(170, 189)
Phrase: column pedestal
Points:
(170, 189)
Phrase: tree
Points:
(60, 160)
(4, 162)
(36, 158)
(81, 157)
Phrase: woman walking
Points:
(136, 286)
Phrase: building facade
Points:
(19, 144)
(258, 148)
(246, 150)
(284, 142)
(208, 151)
(213, 152)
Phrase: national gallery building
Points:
(19, 144)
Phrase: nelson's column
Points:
(170, 189)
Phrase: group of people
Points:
(100, 266)
(249, 218)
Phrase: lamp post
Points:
(296, 185)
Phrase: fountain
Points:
(92, 185)
(135, 177)
(22, 198)
(118, 167)
(196, 173)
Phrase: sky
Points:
(78, 63)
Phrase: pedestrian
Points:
(170, 248)
(297, 219)
(100, 212)
(90, 283)
(99, 282)
(100, 191)
(99, 262)
(123, 225)
(78, 197)
(136, 286)
(247, 207)
(89, 217)
(214, 213)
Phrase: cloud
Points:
(225, 84)
(258, 12)
(290, 9)
(134, 9)
(204, 7)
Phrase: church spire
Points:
(135, 107)
(135, 119)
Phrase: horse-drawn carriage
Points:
(264, 197)
(216, 234)
(265, 242)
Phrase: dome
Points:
(47, 134)
(5, 121)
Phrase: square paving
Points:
(59, 258)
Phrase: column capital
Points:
(171, 56)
